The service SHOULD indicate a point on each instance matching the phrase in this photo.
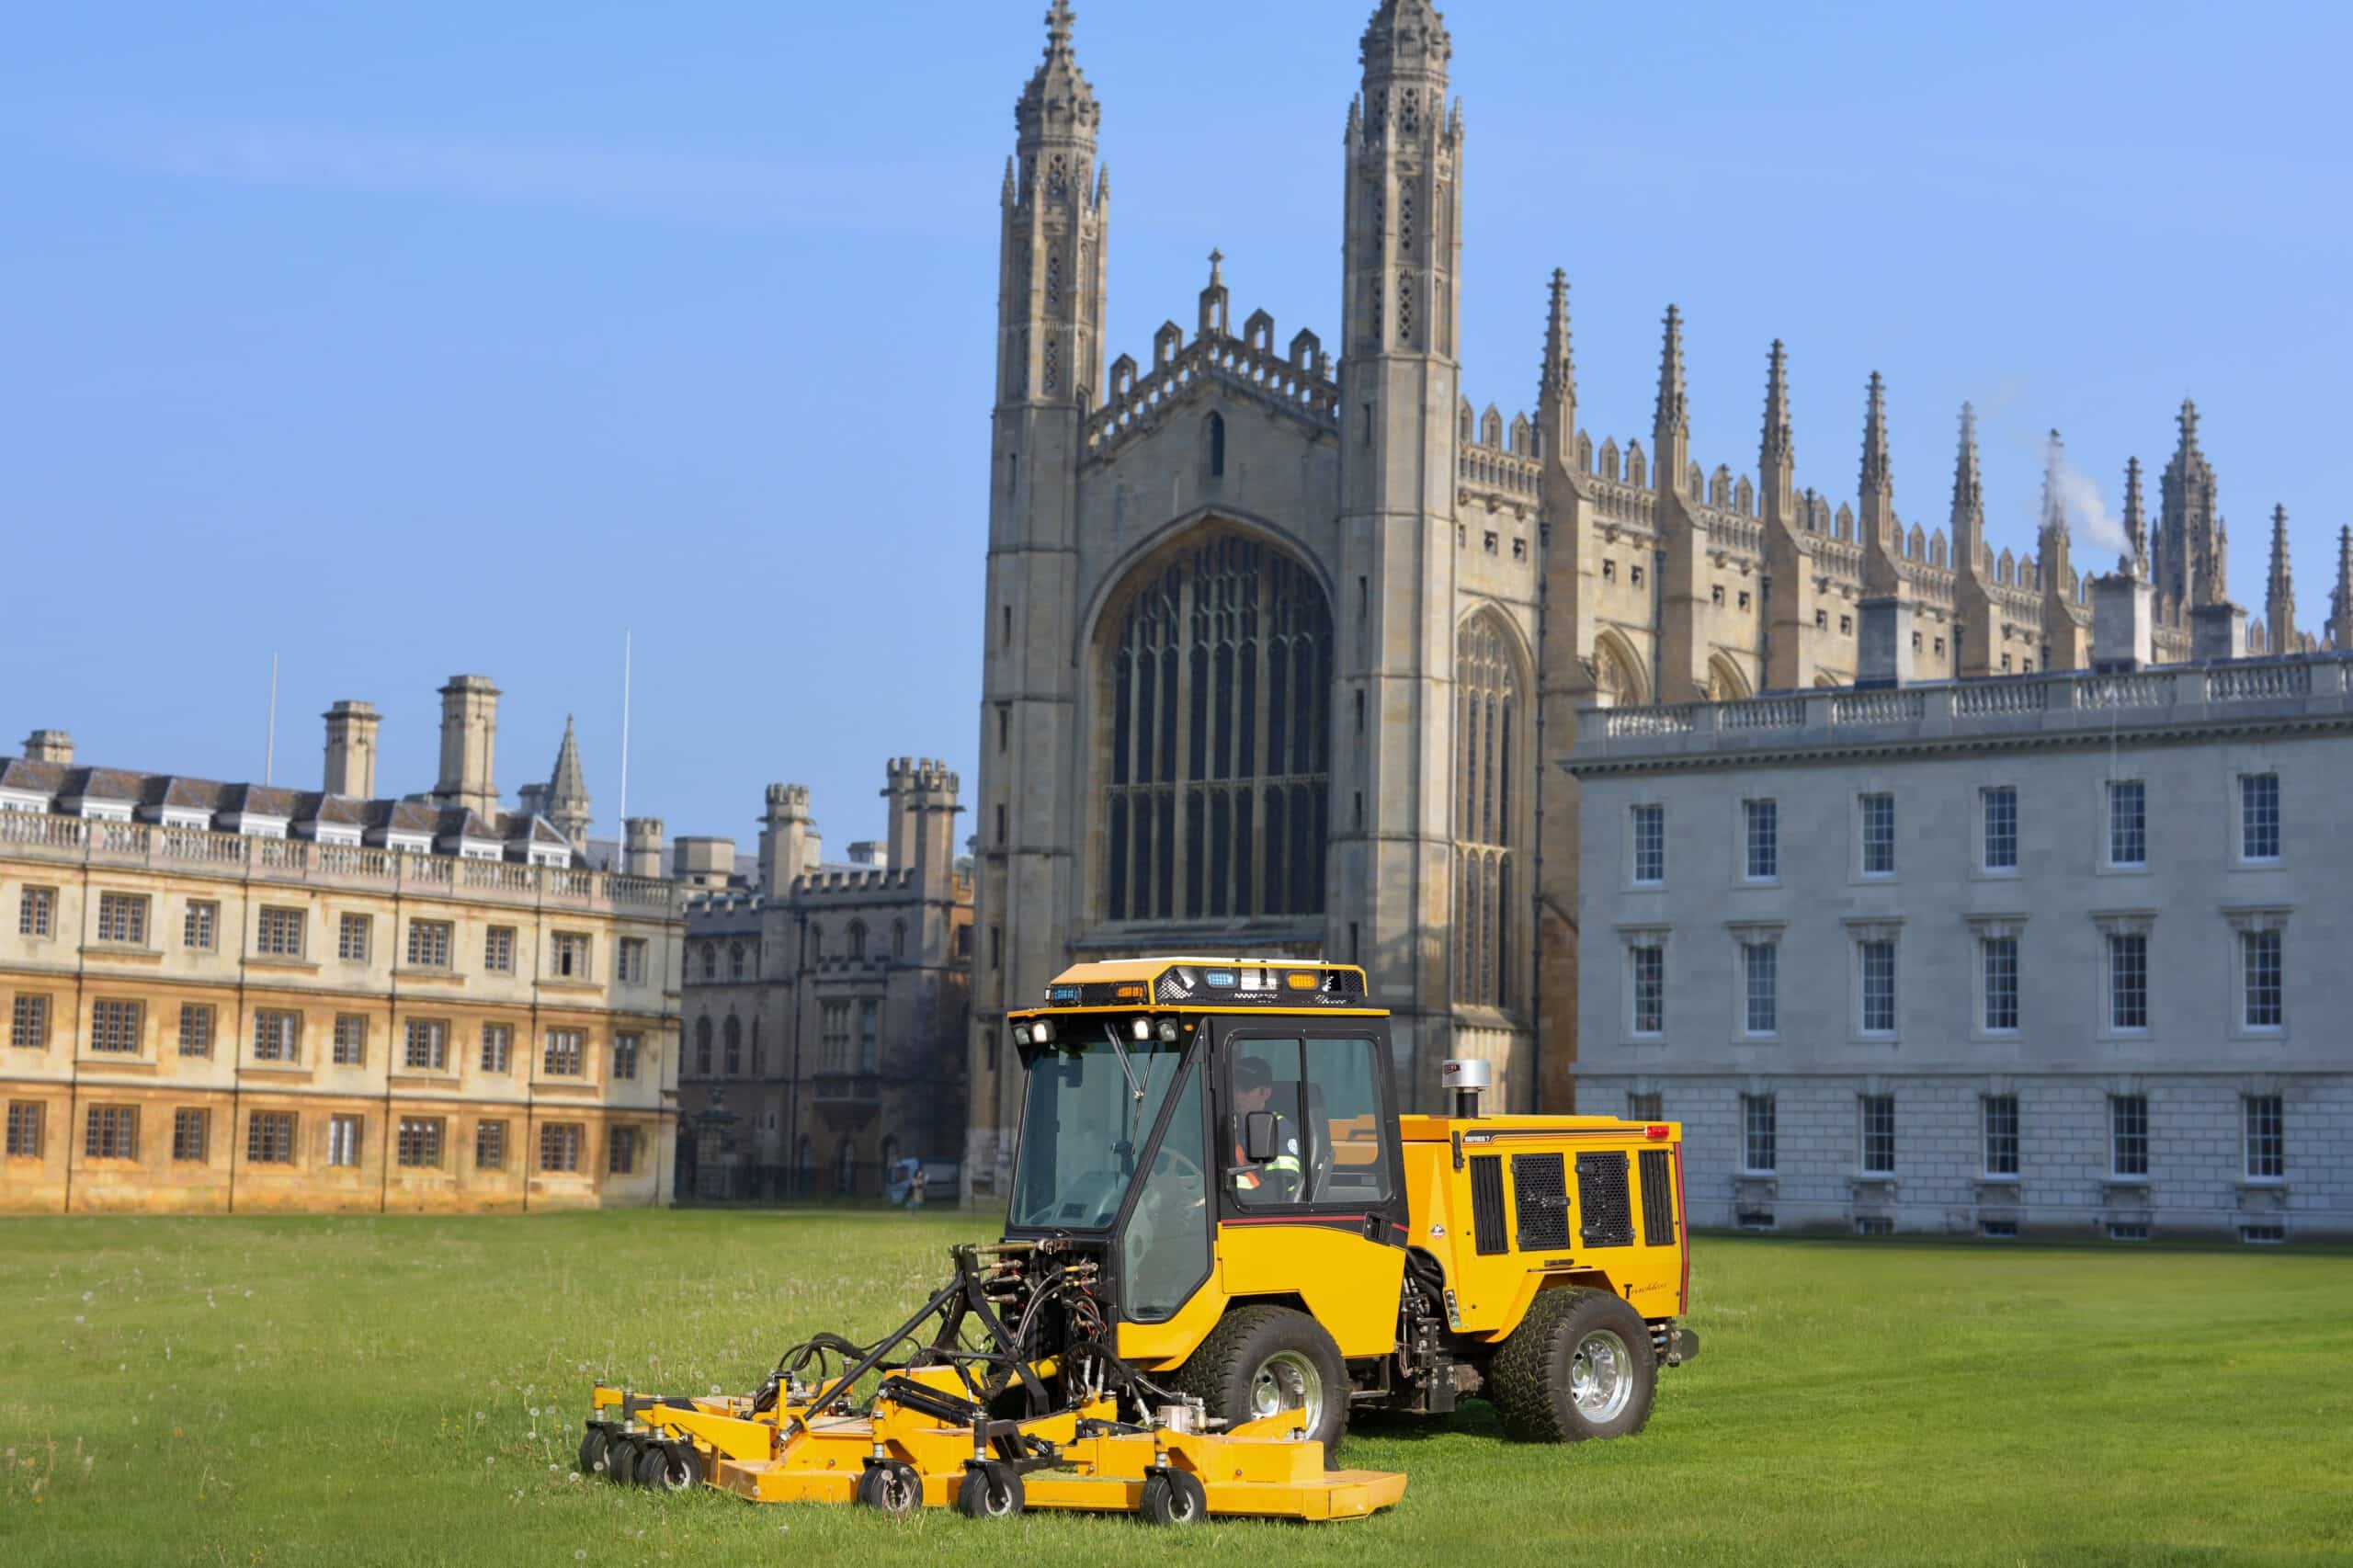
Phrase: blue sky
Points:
(406, 340)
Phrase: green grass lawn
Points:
(268, 1392)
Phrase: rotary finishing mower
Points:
(1001, 1394)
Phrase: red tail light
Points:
(1656, 1133)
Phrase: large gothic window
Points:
(1490, 734)
(1219, 675)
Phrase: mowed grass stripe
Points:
(360, 1391)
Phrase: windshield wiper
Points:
(1111, 1033)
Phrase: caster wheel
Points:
(679, 1470)
(990, 1491)
(1175, 1497)
(620, 1459)
(592, 1452)
(891, 1486)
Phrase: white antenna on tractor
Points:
(269, 757)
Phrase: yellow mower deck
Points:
(792, 1454)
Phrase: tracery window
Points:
(1489, 733)
(1219, 675)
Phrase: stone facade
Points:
(828, 1004)
(1458, 583)
(2069, 939)
(231, 997)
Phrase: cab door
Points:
(1323, 1217)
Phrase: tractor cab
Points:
(1169, 1097)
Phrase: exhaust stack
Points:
(1466, 1079)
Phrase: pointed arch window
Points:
(857, 941)
(898, 939)
(1219, 686)
(1489, 884)
(736, 961)
(702, 1048)
(735, 1046)
(1213, 445)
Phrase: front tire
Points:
(891, 1486)
(1579, 1365)
(990, 1491)
(1174, 1497)
(1263, 1361)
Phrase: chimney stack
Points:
(49, 745)
(2217, 633)
(1883, 643)
(469, 743)
(2124, 612)
(642, 848)
(785, 838)
(932, 810)
(351, 750)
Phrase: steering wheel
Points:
(1189, 1174)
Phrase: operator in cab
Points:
(1275, 1179)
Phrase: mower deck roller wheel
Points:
(1174, 1497)
(670, 1467)
(1579, 1365)
(990, 1491)
(620, 1457)
(1263, 1361)
(891, 1485)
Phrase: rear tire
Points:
(1579, 1365)
(1174, 1497)
(1262, 1361)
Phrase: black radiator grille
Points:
(1543, 1193)
(1658, 1198)
(1487, 1202)
(1602, 1198)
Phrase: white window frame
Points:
(1985, 930)
(346, 1140)
(1863, 808)
(1860, 934)
(1985, 1134)
(1752, 809)
(2108, 798)
(1638, 941)
(1636, 814)
(1749, 1127)
(2240, 854)
(1986, 867)
(2277, 1134)
(2118, 1133)
(1863, 1166)
(2113, 927)
(1747, 934)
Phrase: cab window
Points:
(1344, 1122)
(1266, 1079)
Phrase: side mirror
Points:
(1258, 1137)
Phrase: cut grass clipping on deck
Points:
(347, 1391)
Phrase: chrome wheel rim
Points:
(1601, 1376)
(1288, 1382)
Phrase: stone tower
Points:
(351, 750)
(1875, 518)
(2192, 545)
(784, 838)
(468, 745)
(565, 803)
(1391, 853)
(2340, 601)
(1978, 627)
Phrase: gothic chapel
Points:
(1283, 646)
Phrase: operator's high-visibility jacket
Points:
(1251, 1178)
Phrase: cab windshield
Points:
(1084, 1124)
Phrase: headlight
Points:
(1021, 1034)
(1142, 1028)
(1168, 1031)
(1042, 1031)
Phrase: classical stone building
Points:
(2052, 954)
(1285, 639)
(828, 1004)
(229, 997)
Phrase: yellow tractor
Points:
(1224, 1235)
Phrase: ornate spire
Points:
(1777, 448)
(2280, 596)
(1674, 412)
(1560, 376)
(1968, 500)
(2136, 527)
(2340, 603)
(1058, 103)
(2191, 546)
(1216, 317)
(1405, 42)
(2055, 490)
(1878, 476)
